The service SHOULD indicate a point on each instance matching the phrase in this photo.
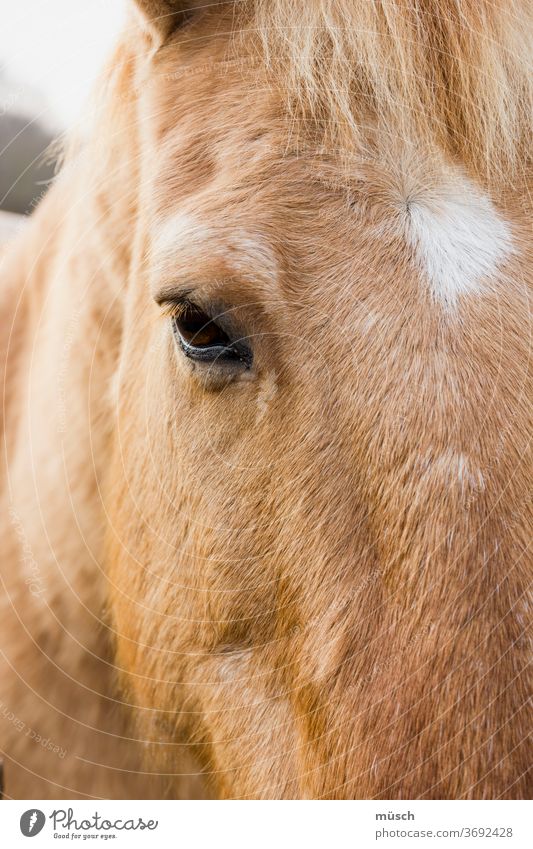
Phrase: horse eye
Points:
(203, 340)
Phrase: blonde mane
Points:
(449, 73)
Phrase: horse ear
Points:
(163, 16)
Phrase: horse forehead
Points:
(457, 241)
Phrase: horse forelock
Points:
(448, 76)
(454, 75)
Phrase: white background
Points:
(57, 47)
(279, 825)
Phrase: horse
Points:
(266, 418)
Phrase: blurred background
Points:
(50, 53)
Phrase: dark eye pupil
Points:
(202, 340)
(198, 330)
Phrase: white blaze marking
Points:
(459, 239)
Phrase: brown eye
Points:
(197, 329)
(203, 340)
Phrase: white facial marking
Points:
(244, 250)
(455, 469)
(267, 393)
(173, 231)
(459, 239)
(468, 476)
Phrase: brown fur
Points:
(300, 589)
